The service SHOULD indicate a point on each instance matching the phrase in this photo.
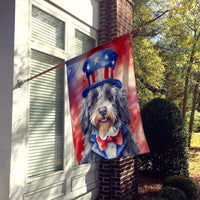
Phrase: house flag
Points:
(104, 108)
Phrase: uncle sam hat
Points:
(99, 69)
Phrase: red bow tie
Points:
(103, 143)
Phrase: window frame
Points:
(60, 181)
(55, 52)
(69, 43)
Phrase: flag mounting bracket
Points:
(19, 84)
(135, 31)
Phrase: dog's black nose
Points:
(103, 111)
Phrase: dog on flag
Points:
(105, 111)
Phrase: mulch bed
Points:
(195, 171)
(149, 186)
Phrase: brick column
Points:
(117, 177)
(115, 19)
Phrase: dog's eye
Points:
(94, 100)
(108, 95)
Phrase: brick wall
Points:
(117, 177)
(115, 19)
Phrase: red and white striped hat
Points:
(99, 69)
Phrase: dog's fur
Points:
(104, 111)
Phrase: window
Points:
(46, 109)
(83, 43)
(46, 28)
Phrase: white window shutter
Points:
(45, 134)
(45, 139)
(46, 28)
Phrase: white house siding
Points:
(73, 182)
(86, 10)
(6, 88)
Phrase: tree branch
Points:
(150, 21)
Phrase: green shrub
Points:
(183, 183)
(171, 193)
(167, 138)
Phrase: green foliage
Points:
(198, 106)
(167, 137)
(149, 67)
(196, 124)
(174, 76)
(171, 193)
(183, 183)
(145, 15)
(166, 52)
(180, 44)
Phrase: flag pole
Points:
(20, 83)
(134, 32)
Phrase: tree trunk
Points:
(198, 99)
(185, 91)
(193, 109)
(188, 74)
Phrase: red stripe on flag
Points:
(100, 74)
(111, 72)
(106, 72)
(93, 77)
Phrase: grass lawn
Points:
(195, 141)
(194, 159)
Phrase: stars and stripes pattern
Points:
(100, 74)
(100, 66)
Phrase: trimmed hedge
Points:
(183, 183)
(171, 193)
(167, 138)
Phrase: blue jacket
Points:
(92, 152)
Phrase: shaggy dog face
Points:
(105, 108)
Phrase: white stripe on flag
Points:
(109, 72)
(99, 72)
(90, 78)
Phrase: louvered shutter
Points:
(46, 28)
(45, 134)
(83, 43)
(45, 142)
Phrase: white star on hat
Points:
(96, 60)
(106, 56)
(88, 67)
